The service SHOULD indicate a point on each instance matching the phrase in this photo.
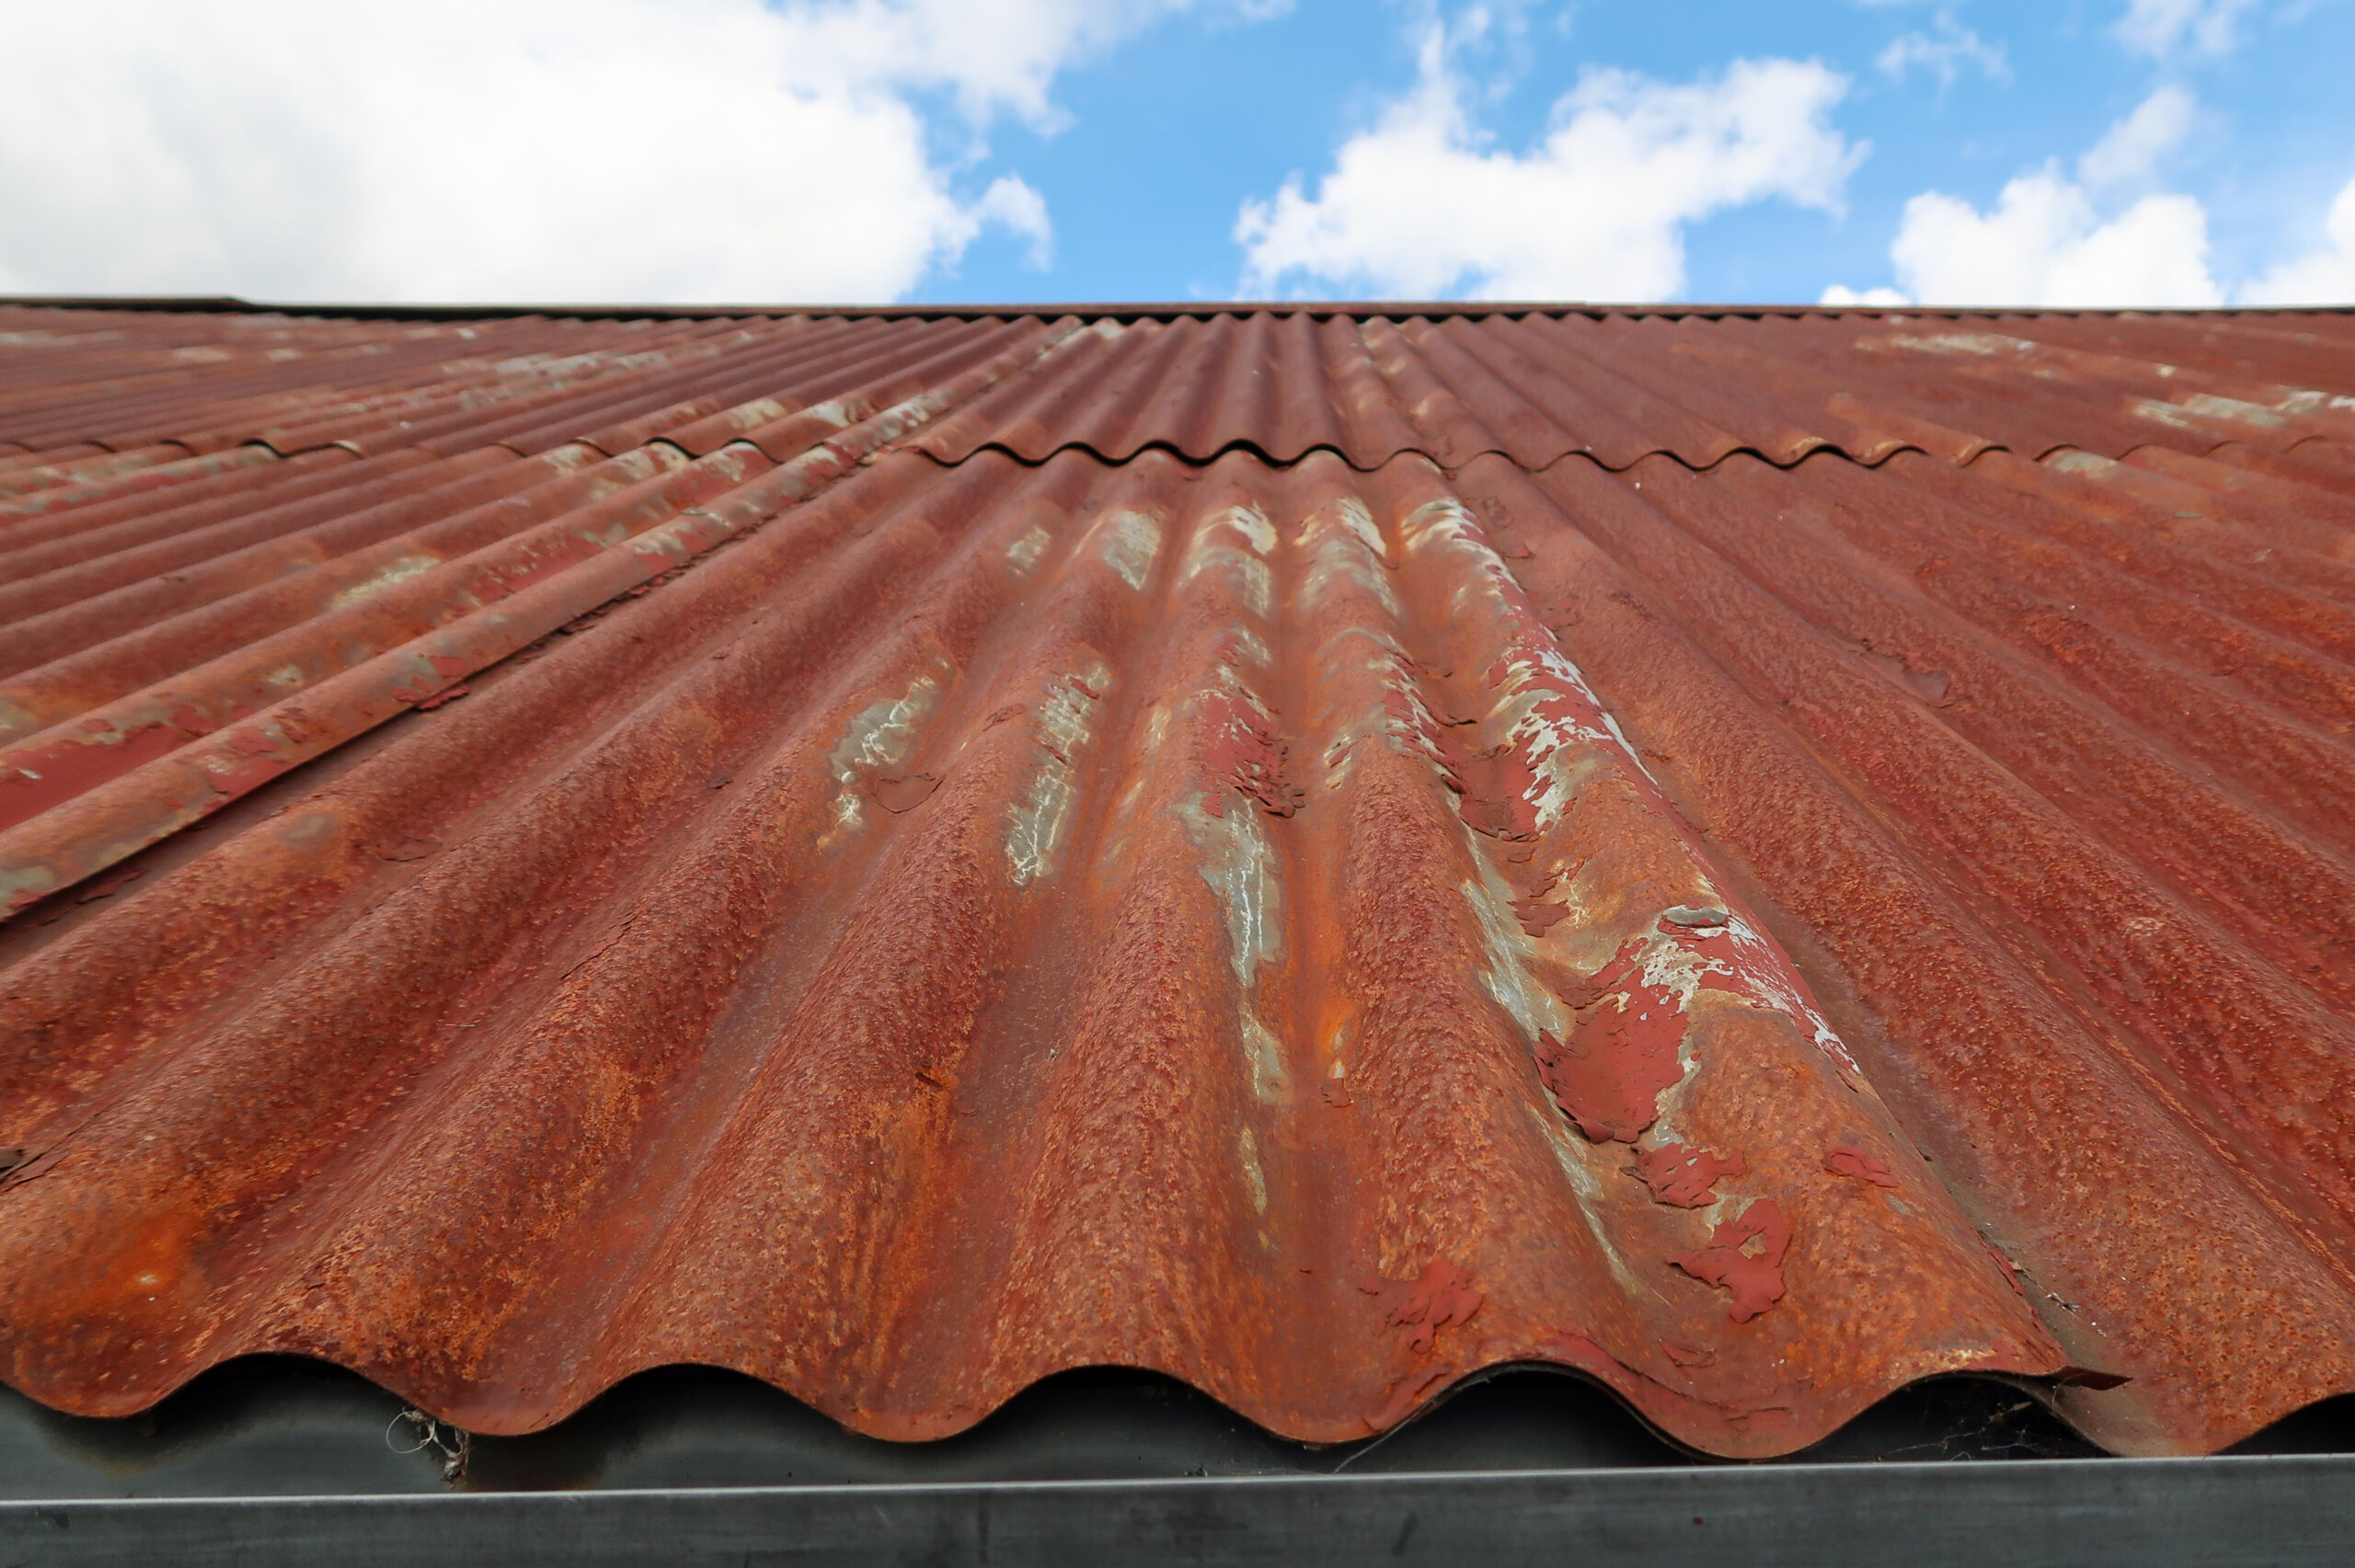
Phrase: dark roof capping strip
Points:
(1968, 918)
(132, 308)
(1229, 842)
(95, 802)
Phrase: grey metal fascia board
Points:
(2273, 1511)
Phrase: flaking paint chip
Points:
(896, 795)
(110, 887)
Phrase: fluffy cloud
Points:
(2162, 27)
(555, 150)
(2325, 278)
(2044, 242)
(2042, 245)
(1944, 53)
(2132, 148)
(1424, 204)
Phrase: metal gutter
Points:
(2275, 1511)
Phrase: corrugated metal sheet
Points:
(1758, 858)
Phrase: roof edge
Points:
(231, 305)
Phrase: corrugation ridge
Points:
(196, 749)
(2194, 1391)
(318, 1289)
(2088, 857)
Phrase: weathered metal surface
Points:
(1539, 386)
(1189, 920)
(2060, 797)
(1759, 859)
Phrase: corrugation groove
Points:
(1757, 857)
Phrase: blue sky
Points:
(2091, 152)
(1172, 132)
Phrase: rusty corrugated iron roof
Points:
(1757, 857)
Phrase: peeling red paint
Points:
(1755, 1278)
(1681, 1176)
(1864, 1167)
(1441, 1294)
(1622, 1053)
(1244, 752)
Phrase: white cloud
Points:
(1841, 294)
(540, 150)
(1425, 205)
(2132, 148)
(2045, 243)
(1944, 54)
(2326, 277)
(2161, 27)
(1016, 206)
